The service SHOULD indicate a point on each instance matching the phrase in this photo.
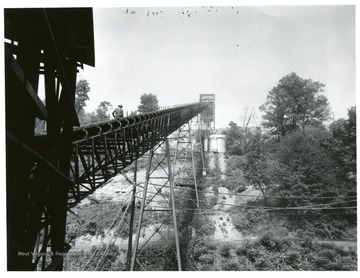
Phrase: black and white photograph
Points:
(189, 136)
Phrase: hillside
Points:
(227, 232)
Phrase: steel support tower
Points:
(171, 170)
(208, 116)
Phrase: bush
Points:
(263, 264)
(235, 179)
(212, 246)
(203, 225)
(201, 248)
(271, 242)
(206, 258)
(270, 252)
(293, 259)
(232, 266)
(91, 228)
(225, 251)
(247, 220)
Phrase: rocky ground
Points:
(118, 191)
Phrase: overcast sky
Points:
(237, 53)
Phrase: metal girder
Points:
(101, 151)
(186, 144)
(166, 165)
(162, 192)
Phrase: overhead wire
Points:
(270, 196)
(248, 206)
(157, 208)
(115, 237)
(102, 240)
(110, 226)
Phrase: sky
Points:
(238, 53)
(234, 51)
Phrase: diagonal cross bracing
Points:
(165, 169)
(102, 150)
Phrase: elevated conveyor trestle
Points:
(101, 151)
(171, 171)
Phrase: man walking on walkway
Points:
(118, 113)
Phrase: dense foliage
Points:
(272, 252)
(148, 103)
(275, 249)
(342, 145)
(234, 175)
(307, 174)
(294, 104)
(81, 92)
(102, 258)
(307, 169)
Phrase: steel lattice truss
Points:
(171, 166)
(101, 151)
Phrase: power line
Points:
(102, 240)
(98, 229)
(265, 209)
(256, 196)
(204, 210)
(115, 237)
(262, 207)
(315, 206)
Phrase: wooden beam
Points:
(42, 112)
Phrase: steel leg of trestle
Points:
(128, 260)
(154, 163)
(193, 165)
(172, 198)
(133, 259)
(183, 147)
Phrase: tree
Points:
(307, 170)
(148, 103)
(82, 90)
(294, 104)
(239, 139)
(234, 173)
(261, 167)
(342, 145)
(234, 138)
(102, 111)
(261, 171)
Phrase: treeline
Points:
(103, 112)
(305, 166)
(148, 103)
(296, 160)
